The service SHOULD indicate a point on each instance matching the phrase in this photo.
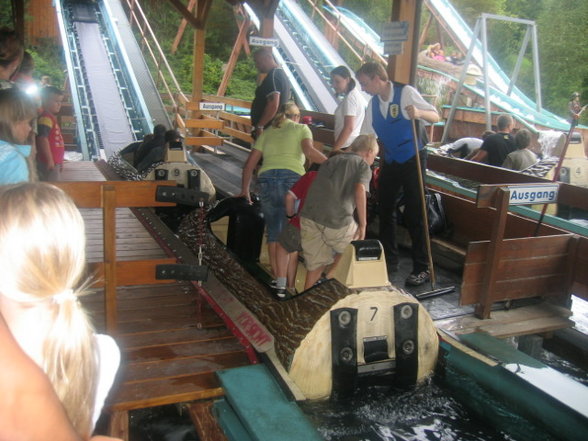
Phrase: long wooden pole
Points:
(423, 205)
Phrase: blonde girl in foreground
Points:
(42, 256)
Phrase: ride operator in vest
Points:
(388, 116)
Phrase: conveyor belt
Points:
(113, 124)
(136, 64)
(112, 91)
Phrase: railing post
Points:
(501, 201)
(108, 195)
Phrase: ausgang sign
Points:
(260, 41)
(533, 194)
(212, 106)
(518, 194)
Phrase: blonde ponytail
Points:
(42, 253)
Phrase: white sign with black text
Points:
(260, 41)
(212, 106)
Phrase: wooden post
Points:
(425, 30)
(402, 68)
(198, 69)
(182, 28)
(109, 227)
(118, 426)
(501, 201)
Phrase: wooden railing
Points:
(337, 33)
(164, 71)
(110, 195)
(229, 124)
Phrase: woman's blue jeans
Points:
(272, 186)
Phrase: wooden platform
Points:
(533, 319)
(171, 342)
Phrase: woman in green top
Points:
(283, 147)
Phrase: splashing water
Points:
(426, 413)
(551, 142)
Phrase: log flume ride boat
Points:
(358, 328)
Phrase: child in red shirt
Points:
(289, 239)
(50, 145)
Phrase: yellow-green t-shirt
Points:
(281, 147)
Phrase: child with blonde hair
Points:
(17, 111)
(42, 256)
(327, 224)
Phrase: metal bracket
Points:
(193, 179)
(161, 174)
(406, 326)
(344, 351)
(179, 195)
(178, 271)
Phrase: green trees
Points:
(561, 31)
(561, 28)
(564, 53)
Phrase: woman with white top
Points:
(350, 112)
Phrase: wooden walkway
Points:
(171, 342)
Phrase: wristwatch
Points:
(290, 217)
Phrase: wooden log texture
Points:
(301, 326)
(289, 321)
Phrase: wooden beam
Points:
(239, 43)
(402, 67)
(206, 425)
(267, 22)
(118, 426)
(109, 226)
(88, 194)
(238, 134)
(131, 272)
(185, 13)
(425, 30)
(198, 69)
(204, 124)
(494, 252)
(198, 141)
(202, 11)
(228, 100)
(182, 28)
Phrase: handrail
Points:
(341, 37)
(137, 17)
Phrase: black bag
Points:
(435, 212)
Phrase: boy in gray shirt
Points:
(326, 221)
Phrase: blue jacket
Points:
(13, 163)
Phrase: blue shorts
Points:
(272, 186)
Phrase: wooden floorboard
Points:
(157, 338)
(534, 319)
(171, 342)
(185, 366)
